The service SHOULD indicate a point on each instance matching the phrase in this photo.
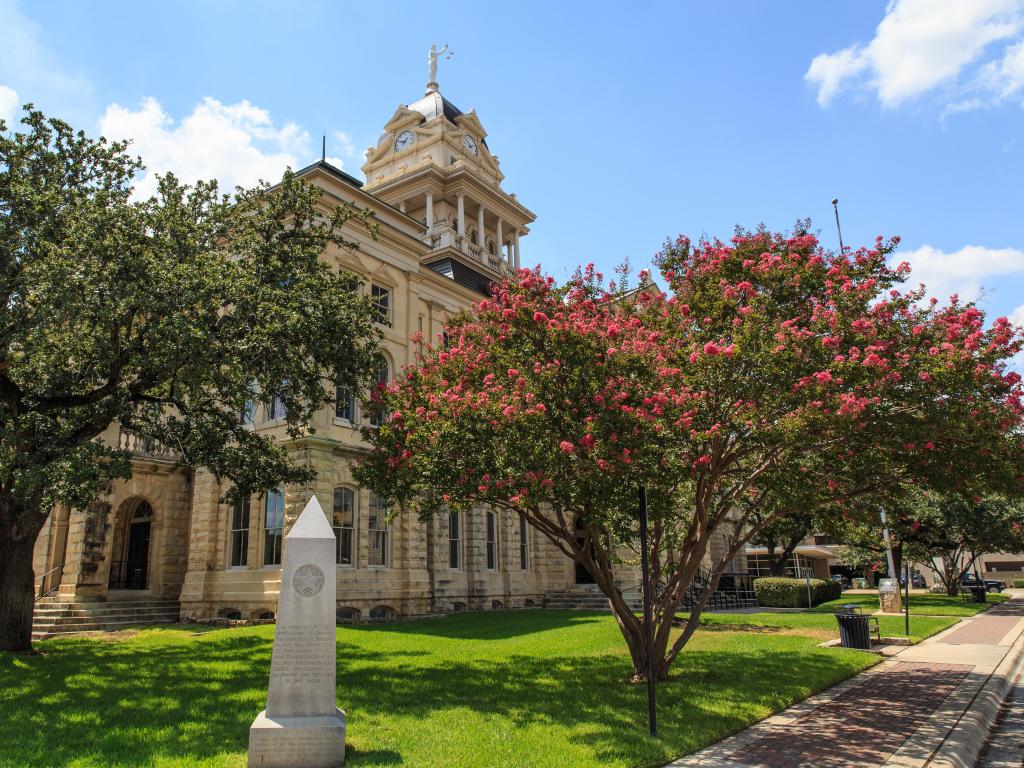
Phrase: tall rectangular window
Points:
(383, 374)
(344, 524)
(454, 541)
(240, 532)
(524, 543)
(276, 409)
(345, 404)
(492, 541)
(381, 298)
(273, 527)
(377, 524)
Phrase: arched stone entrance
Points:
(130, 566)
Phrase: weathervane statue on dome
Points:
(433, 57)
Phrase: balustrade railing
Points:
(145, 447)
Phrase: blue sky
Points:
(617, 123)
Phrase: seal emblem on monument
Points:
(308, 580)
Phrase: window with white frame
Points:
(345, 524)
(491, 520)
(240, 533)
(273, 526)
(524, 543)
(381, 298)
(276, 409)
(383, 375)
(377, 525)
(454, 541)
(345, 404)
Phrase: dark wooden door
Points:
(137, 560)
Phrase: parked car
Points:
(842, 581)
(917, 581)
(991, 585)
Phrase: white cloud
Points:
(28, 65)
(237, 144)
(8, 105)
(966, 272)
(345, 145)
(1017, 316)
(920, 45)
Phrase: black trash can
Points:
(979, 594)
(854, 631)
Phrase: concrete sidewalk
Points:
(931, 704)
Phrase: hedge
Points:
(773, 592)
(1017, 584)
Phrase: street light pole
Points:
(648, 613)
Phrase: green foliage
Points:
(1016, 584)
(921, 605)
(780, 592)
(168, 316)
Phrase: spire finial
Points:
(433, 56)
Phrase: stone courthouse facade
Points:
(447, 229)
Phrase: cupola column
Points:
(500, 241)
(480, 226)
(462, 215)
(430, 210)
(515, 248)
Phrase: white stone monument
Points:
(302, 726)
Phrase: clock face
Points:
(405, 139)
(469, 143)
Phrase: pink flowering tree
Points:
(772, 377)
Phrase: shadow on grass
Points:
(193, 697)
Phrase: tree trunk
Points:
(17, 596)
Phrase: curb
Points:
(964, 743)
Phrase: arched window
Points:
(380, 613)
(454, 541)
(492, 541)
(233, 614)
(345, 524)
(458, 607)
(383, 376)
(490, 247)
(346, 615)
(143, 511)
(240, 533)
(273, 526)
(496, 605)
(377, 525)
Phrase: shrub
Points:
(773, 592)
(1017, 583)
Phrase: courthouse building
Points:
(447, 229)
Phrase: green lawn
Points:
(926, 605)
(527, 688)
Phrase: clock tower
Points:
(432, 162)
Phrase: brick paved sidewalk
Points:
(895, 714)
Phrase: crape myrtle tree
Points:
(169, 316)
(948, 532)
(773, 376)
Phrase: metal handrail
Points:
(42, 581)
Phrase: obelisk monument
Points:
(302, 726)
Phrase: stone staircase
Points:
(586, 598)
(56, 617)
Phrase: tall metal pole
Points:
(906, 608)
(648, 614)
(835, 205)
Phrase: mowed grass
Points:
(923, 604)
(526, 688)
